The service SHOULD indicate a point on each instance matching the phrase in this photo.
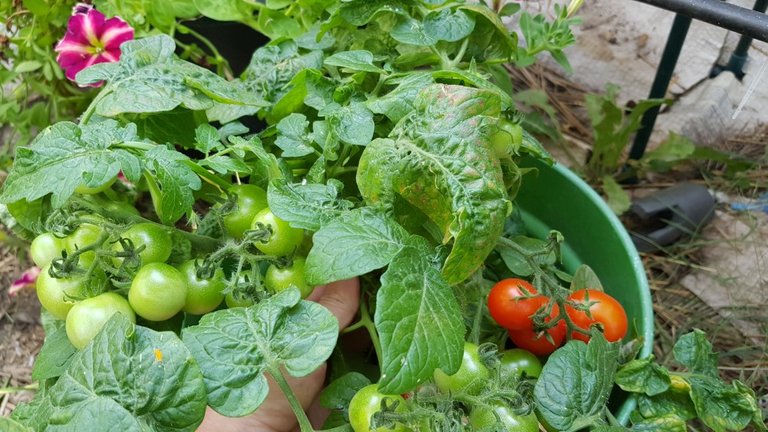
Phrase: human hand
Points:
(275, 414)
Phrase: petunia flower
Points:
(90, 39)
(26, 280)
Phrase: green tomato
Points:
(284, 239)
(85, 190)
(250, 200)
(367, 402)
(471, 376)
(85, 235)
(155, 239)
(233, 300)
(517, 361)
(158, 292)
(45, 248)
(203, 295)
(501, 415)
(86, 318)
(507, 139)
(278, 279)
(57, 294)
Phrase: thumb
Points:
(342, 298)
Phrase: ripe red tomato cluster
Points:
(513, 302)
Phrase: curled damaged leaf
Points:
(438, 159)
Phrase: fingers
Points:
(342, 298)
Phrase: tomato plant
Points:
(158, 292)
(367, 402)
(518, 361)
(471, 376)
(154, 239)
(280, 278)
(537, 342)
(87, 317)
(250, 199)
(604, 311)
(512, 303)
(203, 294)
(84, 236)
(45, 248)
(282, 239)
(507, 140)
(482, 418)
(58, 295)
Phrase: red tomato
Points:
(537, 342)
(606, 312)
(510, 305)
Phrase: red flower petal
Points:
(114, 32)
(27, 279)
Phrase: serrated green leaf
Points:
(149, 78)
(8, 425)
(448, 25)
(177, 182)
(358, 60)
(272, 67)
(694, 351)
(95, 393)
(352, 123)
(643, 376)
(411, 31)
(353, 244)
(309, 40)
(55, 356)
(444, 166)
(308, 206)
(418, 319)
(207, 138)
(399, 102)
(225, 164)
(361, 12)
(339, 392)
(293, 136)
(66, 156)
(518, 263)
(575, 383)
(235, 347)
(615, 195)
(490, 39)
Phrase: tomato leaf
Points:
(351, 123)
(694, 351)
(399, 102)
(664, 405)
(164, 390)
(667, 423)
(66, 156)
(176, 179)
(643, 376)
(723, 407)
(353, 244)
(55, 356)
(440, 161)
(357, 60)
(418, 319)
(448, 25)
(148, 78)
(585, 278)
(8, 425)
(234, 347)
(293, 136)
(339, 392)
(308, 206)
(576, 382)
(359, 13)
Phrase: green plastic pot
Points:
(556, 198)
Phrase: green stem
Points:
(293, 401)
(369, 325)
(92, 107)
(611, 419)
(10, 390)
(208, 176)
(459, 55)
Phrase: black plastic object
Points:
(668, 215)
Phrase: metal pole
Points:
(740, 54)
(666, 68)
(726, 15)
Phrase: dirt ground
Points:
(21, 335)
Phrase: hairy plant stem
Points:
(293, 401)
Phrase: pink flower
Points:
(90, 39)
(27, 280)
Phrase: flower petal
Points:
(27, 279)
(86, 26)
(114, 32)
(68, 45)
